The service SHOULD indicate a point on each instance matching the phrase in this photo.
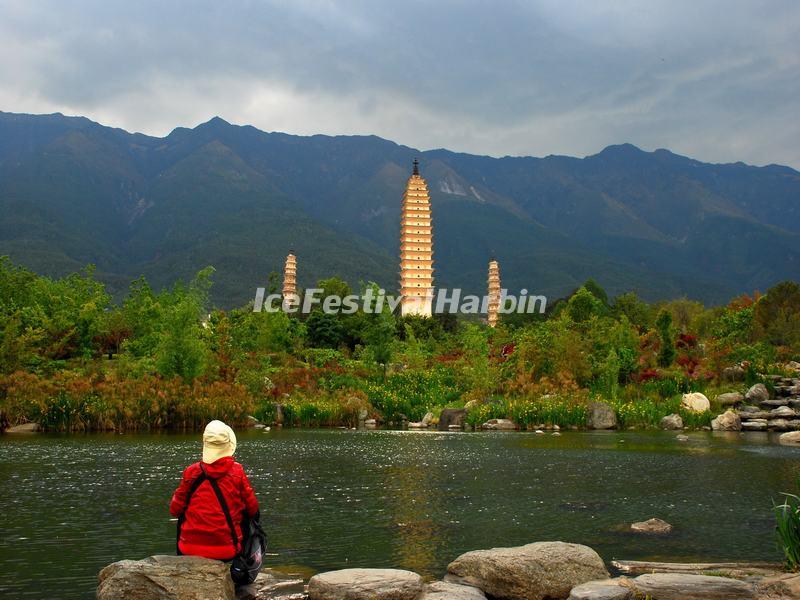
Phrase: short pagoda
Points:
(290, 277)
(416, 248)
(493, 305)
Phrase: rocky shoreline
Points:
(536, 571)
(746, 409)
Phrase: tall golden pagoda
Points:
(494, 293)
(416, 248)
(290, 276)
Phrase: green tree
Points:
(598, 292)
(324, 330)
(475, 365)
(666, 333)
(634, 309)
(777, 315)
(583, 305)
(182, 350)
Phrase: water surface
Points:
(334, 499)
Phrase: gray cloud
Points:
(716, 80)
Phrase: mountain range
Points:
(74, 192)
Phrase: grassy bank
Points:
(73, 361)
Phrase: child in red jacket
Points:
(203, 527)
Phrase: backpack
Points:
(247, 563)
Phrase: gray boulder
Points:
(784, 585)
(736, 373)
(775, 403)
(538, 571)
(166, 578)
(755, 425)
(601, 416)
(778, 425)
(757, 393)
(441, 590)
(365, 584)
(24, 428)
(272, 585)
(727, 421)
(783, 412)
(652, 526)
(672, 422)
(426, 420)
(792, 438)
(606, 589)
(452, 416)
(792, 366)
(499, 425)
(695, 402)
(679, 586)
(730, 399)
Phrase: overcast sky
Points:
(718, 81)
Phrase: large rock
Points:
(427, 419)
(791, 438)
(441, 590)
(672, 422)
(272, 585)
(499, 425)
(778, 425)
(601, 416)
(727, 421)
(24, 428)
(757, 393)
(679, 586)
(773, 404)
(736, 373)
(695, 402)
(775, 587)
(730, 399)
(452, 416)
(531, 572)
(653, 526)
(365, 584)
(792, 366)
(783, 412)
(166, 578)
(606, 589)
(755, 425)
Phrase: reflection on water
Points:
(334, 499)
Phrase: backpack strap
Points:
(195, 484)
(225, 510)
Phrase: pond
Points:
(334, 499)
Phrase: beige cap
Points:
(218, 441)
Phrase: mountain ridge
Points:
(74, 191)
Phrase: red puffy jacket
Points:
(205, 531)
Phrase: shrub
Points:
(787, 517)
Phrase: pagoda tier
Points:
(416, 248)
(493, 308)
(290, 276)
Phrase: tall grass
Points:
(787, 518)
(69, 401)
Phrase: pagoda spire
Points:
(290, 276)
(416, 248)
(493, 308)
